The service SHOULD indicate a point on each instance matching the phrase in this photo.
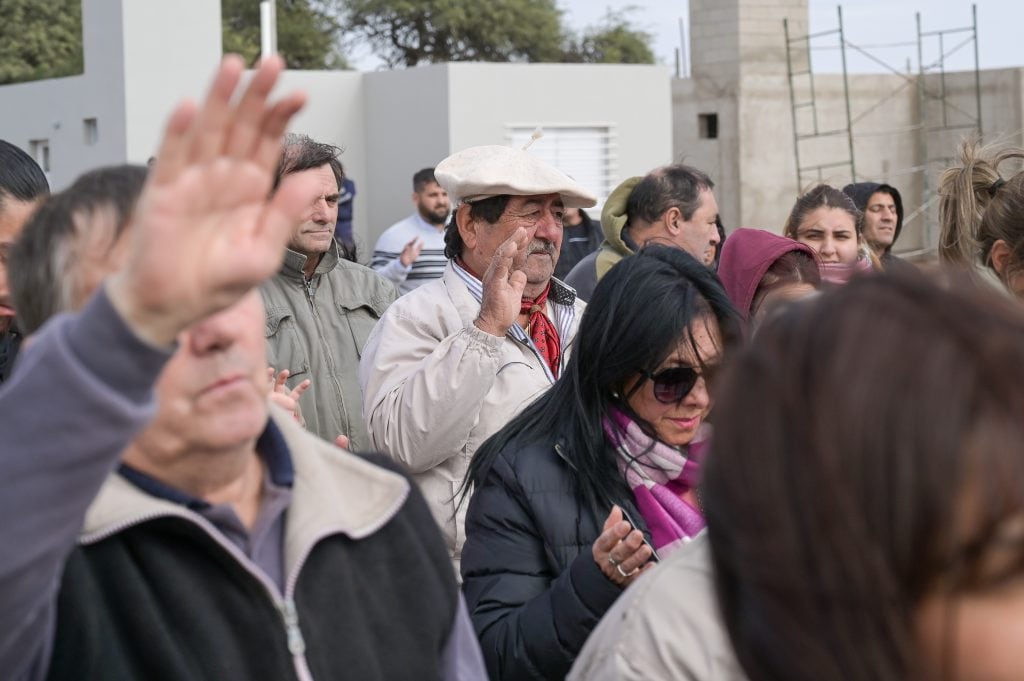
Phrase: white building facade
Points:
(141, 58)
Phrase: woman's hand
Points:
(620, 550)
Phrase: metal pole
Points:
(682, 50)
(846, 94)
(810, 78)
(792, 103)
(268, 28)
(942, 78)
(977, 74)
(922, 136)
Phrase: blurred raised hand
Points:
(205, 231)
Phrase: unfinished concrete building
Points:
(737, 118)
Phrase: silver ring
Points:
(618, 567)
(611, 559)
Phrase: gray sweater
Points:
(81, 390)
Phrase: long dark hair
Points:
(639, 312)
(849, 486)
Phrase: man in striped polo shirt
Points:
(411, 252)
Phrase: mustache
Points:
(541, 246)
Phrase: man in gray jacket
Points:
(321, 307)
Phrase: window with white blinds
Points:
(588, 154)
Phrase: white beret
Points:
(482, 172)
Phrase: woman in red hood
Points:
(759, 269)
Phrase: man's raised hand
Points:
(410, 252)
(503, 285)
(204, 231)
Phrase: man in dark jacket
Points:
(210, 552)
(581, 236)
(883, 218)
(22, 185)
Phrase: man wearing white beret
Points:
(453, 361)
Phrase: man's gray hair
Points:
(42, 269)
(301, 152)
(675, 186)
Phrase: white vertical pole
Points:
(268, 28)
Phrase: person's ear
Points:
(673, 219)
(415, 198)
(468, 225)
(1001, 257)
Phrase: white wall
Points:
(54, 109)
(406, 130)
(635, 100)
(171, 50)
(335, 115)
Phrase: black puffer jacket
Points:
(533, 589)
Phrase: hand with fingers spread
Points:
(285, 397)
(411, 251)
(503, 285)
(204, 231)
(620, 551)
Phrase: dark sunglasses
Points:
(672, 385)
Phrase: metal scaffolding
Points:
(801, 134)
(938, 116)
(936, 120)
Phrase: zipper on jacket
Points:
(285, 604)
(308, 286)
(625, 514)
(325, 347)
(296, 644)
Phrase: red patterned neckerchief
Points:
(541, 330)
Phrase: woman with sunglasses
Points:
(585, 489)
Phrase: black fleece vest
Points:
(162, 601)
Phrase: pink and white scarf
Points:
(838, 273)
(663, 479)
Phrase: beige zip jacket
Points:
(435, 387)
(317, 330)
(665, 627)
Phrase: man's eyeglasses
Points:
(672, 385)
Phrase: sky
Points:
(866, 22)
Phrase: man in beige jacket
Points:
(451, 362)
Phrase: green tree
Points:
(614, 41)
(40, 39)
(308, 35)
(408, 32)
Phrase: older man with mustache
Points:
(451, 362)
